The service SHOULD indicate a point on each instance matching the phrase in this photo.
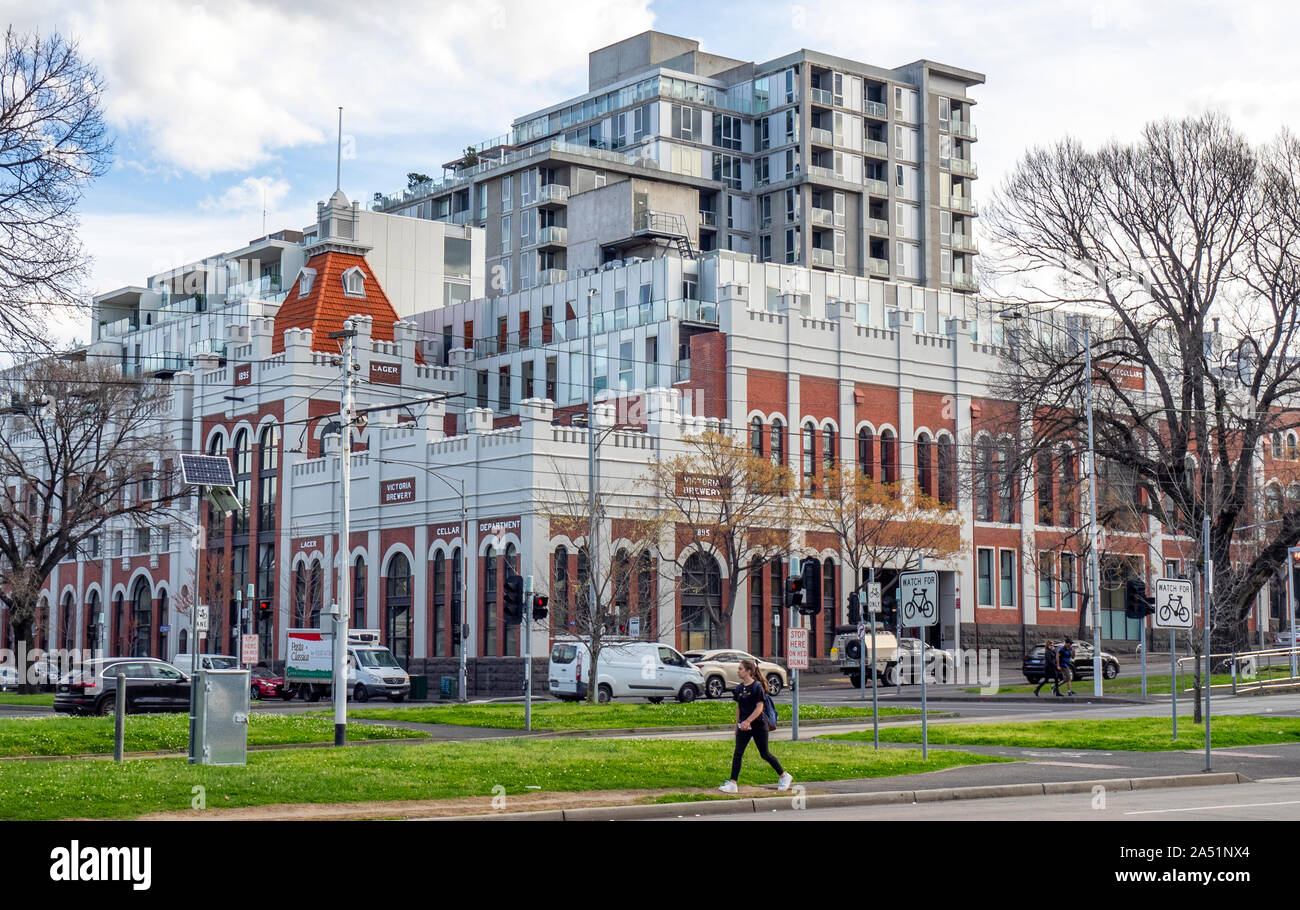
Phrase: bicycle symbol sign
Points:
(1173, 603)
(918, 595)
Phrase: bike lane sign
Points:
(918, 598)
(1173, 603)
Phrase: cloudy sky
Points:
(220, 109)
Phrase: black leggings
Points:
(758, 733)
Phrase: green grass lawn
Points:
(99, 789)
(36, 698)
(23, 736)
(1138, 734)
(1131, 685)
(556, 715)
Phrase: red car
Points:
(266, 684)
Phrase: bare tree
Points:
(52, 143)
(81, 449)
(878, 525)
(720, 493)
(1180, 253)
(594, 604)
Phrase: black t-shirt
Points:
(750, 698)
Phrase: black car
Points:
(1082, 664)
(151, 685)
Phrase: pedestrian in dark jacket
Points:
(1051, 673)
(750, 698)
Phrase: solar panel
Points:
(207, 470)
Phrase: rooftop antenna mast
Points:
(338, 169)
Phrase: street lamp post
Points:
(1093, 570)
(593, 471)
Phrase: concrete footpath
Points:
(1029, 773)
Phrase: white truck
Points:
(372, 669)
(852, 652)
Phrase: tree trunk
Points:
(23, 633)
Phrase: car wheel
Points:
(105, 706)
(774, 685)
(714, 686)
(287, 695)
(313, 694)
(655, 699)
(1110, 671)
(855, 678)
(254, 693)
(893, 676)
(1034, 680)
(604, 694)
(688, 693)
(360, 693)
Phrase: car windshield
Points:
(375, 657)
(222, 663)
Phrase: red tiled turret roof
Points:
(326, 305)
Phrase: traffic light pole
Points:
(344, 607)
(875, 698)
(526, 630)
(795, 567)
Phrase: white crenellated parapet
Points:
(604, 414)
(535, 416)
(663, 411)
(261, 330)
(458, 357)
(297, 342)
(478, 421)
(363, 326)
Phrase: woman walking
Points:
(1049, 669)
(751, 697)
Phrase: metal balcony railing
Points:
(961, 204)
(877, 109)
(878, 226)
(879, 187)
(877, 148)
(963, 167)
(963, 129)
(823, 97)
(553, 193)
(878, 266)
(823, 257)
(823, 217)
(552, 236)
(819, 136)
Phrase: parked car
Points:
(185, 662)
(151, 685)
(1286, 638)
(721, 671)
(265, 684)
(628, 669)
(940, 666)
(8, 678)
(1032, 665)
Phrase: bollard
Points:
(119, 718)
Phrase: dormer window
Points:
(354, 282)
(305, 282)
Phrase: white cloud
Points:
(250, 195)
(220, 88)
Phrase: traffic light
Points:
(794, 593)
(855, 609)
(539, 606)
(1136, 603)
(514, 604)
(263, 606)
(812, 604)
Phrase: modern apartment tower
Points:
(808, 159)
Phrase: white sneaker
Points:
(785, 781)
(729, 787)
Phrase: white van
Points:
(628, 669)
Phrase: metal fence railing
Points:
(1248, 671)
